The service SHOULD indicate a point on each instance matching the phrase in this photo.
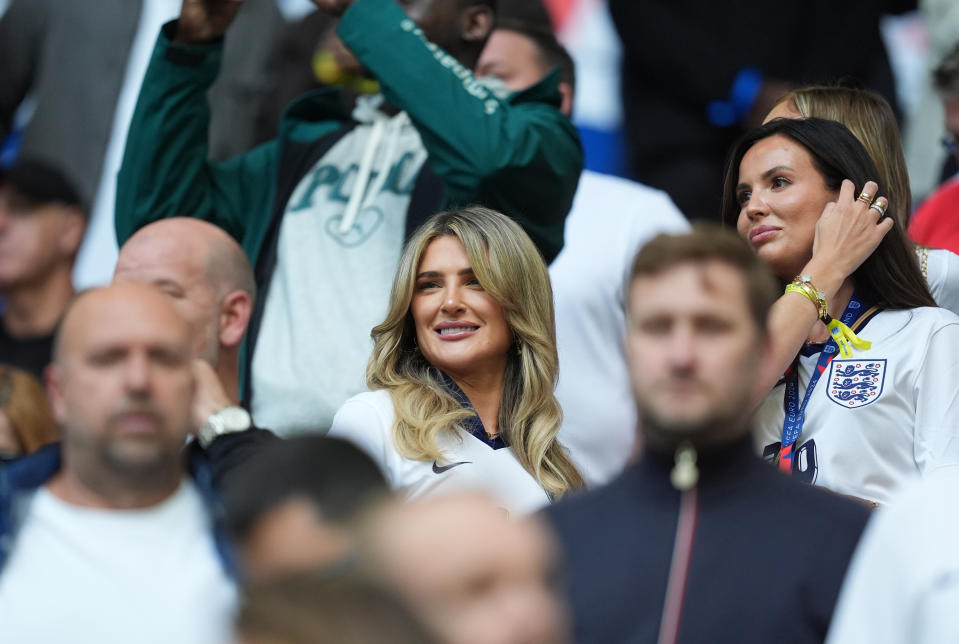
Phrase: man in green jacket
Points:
(323, 210)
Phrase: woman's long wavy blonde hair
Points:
(509, 267)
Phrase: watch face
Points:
(234, 418)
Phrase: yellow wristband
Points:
(817, 297)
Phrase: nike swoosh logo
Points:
(440, 469)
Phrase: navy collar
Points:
(473, 424)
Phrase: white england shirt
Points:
(470, 464)
(887, 416)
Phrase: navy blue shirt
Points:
(768, 555)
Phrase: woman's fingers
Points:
(868, 193)
(884, 227)
(847, 191)
(879, 207)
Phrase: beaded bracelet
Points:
(845, 338)
(803, 284)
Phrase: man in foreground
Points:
(699, 540)
(469, 572)
(106, 534)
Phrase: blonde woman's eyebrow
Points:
(463, 271)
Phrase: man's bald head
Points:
(203, 271)
(121, 386)
(109, 308)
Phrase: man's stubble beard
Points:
(143, 464)
(719, 424)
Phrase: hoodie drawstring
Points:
(363, 174)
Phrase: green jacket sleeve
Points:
(165, 170)
(522, 157)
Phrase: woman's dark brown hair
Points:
(890, 277)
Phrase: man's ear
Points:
(235, 311)
(566, 106)
(53, 383)
(476, 23)
(73, 227)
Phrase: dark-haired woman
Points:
(872, 398)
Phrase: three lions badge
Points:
(855, 383)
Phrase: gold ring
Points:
(865, 197)
(879, 207)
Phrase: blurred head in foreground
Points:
(470, 573)
(291, 509)
(315, 609)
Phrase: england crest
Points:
(855, 383)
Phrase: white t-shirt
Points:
(903, 582)
(330, 288)
(887, 416)
(80, 574)
(470, 465)
(941, 270)
(610, 221)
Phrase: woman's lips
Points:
(762, 234)
(455, 332)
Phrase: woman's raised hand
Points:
(848, 232)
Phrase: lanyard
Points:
(796, 411)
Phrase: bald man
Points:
(111, 535)
(207, 278)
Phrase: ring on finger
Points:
(879, 206)
(864, 197)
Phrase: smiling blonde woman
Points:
(463, 368)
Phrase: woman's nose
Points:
(452, 300)
(755, 206)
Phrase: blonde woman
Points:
(870, 118)
(463, 369)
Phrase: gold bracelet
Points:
(803, 284)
